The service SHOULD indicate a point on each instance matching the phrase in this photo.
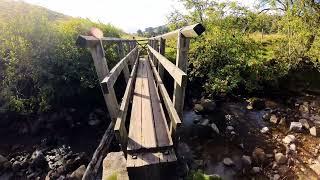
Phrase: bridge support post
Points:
(126, 71)
(181, 61)
(102, 70)
(162, 52)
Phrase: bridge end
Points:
(199, 29)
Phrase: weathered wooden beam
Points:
(173, 115)
(126, 71)
(188, 31)
(181, 63)
(178, 75)
(119, 129)
(99, 154)
(162, 52)
(91, 41)
(102, 70)
(109, 80)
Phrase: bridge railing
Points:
(156, 51)
(107, 79)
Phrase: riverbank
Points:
(243, 140)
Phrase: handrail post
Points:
(126, 71)
(102, 69)
(156, 47)
(162, 52)
(181, 62)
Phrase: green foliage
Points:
(42, 68)
(245, 50)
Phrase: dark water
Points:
(212, 149)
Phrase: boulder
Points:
(258, 155)
(198, 108)
(257, 103)
(264, 130)
(256, 170)
(280, 158)
(228, 162)
(305, 123)
(208, 105)
(315, 131)
(230, 128)
(316, 168)
(38, 160)
(295, 127)
(215, 128)
(292, 147)
(276, 177)
(204, 122)
(205, 106)
(78, 173)
(246, 160)
(115, 166)
(274, 119)
(289, 139)
(3, 160)
(282, 121)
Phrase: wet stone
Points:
(305, 123)
(274, 119)
(246, 160)
(256, 170)
(314, 131)
(264, 130)
(289, 139)
(228, 162)
(280, 158)
(295, 126)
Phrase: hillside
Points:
(10, 8)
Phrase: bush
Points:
(41, 68)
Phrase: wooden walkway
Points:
(152, 131)
(148, 132)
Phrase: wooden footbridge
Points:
(147, 120)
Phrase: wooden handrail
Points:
(188, 31)
(108, 82)
(177, 74)
(91, 41)
(173, 115)
(119, 128)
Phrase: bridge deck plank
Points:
(149, 140)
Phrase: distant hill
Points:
(11, 8)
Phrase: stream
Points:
(240, 135)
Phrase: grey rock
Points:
(264, 130)
(230, 128)
(314, 131)
(215, 128)
(292, 147)
(115, 164)
(246, 160)
(3, 160)
(289, 139)
(78, 173)
(276, 177)
(228, 162)
(38, 159)
(204, 122)
(305, 123)
(274, 119)
(258, 155)
(256, 170)
(295, 126)
(280, 158)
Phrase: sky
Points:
(128, 15)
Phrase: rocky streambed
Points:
(52, 146)
(261, 138)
